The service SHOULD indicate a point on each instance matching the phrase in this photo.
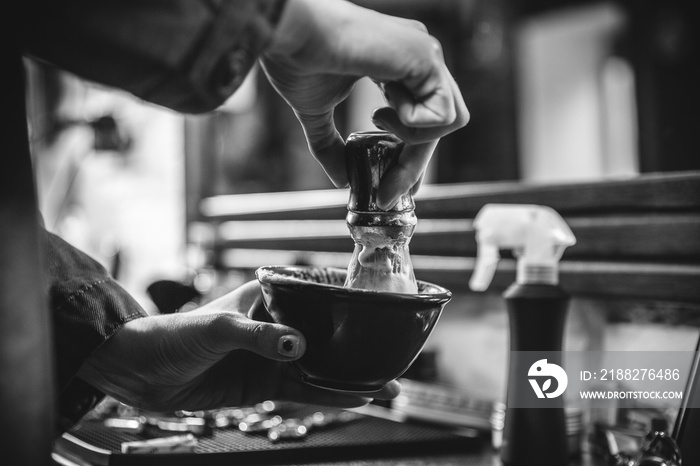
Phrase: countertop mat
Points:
(366, 437)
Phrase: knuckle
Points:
(419, 25)
(436, 48)
(221, 320)
(463, 118)
(218, 327)
(257, 334)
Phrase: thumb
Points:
(270, 340)
(407, 174)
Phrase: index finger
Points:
(448, 115)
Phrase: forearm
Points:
(188, 55)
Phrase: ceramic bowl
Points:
(356, 340)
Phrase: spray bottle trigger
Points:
(485, 266)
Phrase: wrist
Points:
(113, 368)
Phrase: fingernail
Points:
(288, 345)
(379, 124)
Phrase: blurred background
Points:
(559, 91)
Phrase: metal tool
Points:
(295, 429)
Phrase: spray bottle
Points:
(534, 431)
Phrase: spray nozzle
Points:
(536, 234)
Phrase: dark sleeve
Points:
(187, 55)
(88, 307)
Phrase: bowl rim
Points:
(268, 274)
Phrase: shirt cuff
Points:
(240, 32)
(88, 307)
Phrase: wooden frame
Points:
(638, 237)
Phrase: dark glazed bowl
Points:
(356, 340)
